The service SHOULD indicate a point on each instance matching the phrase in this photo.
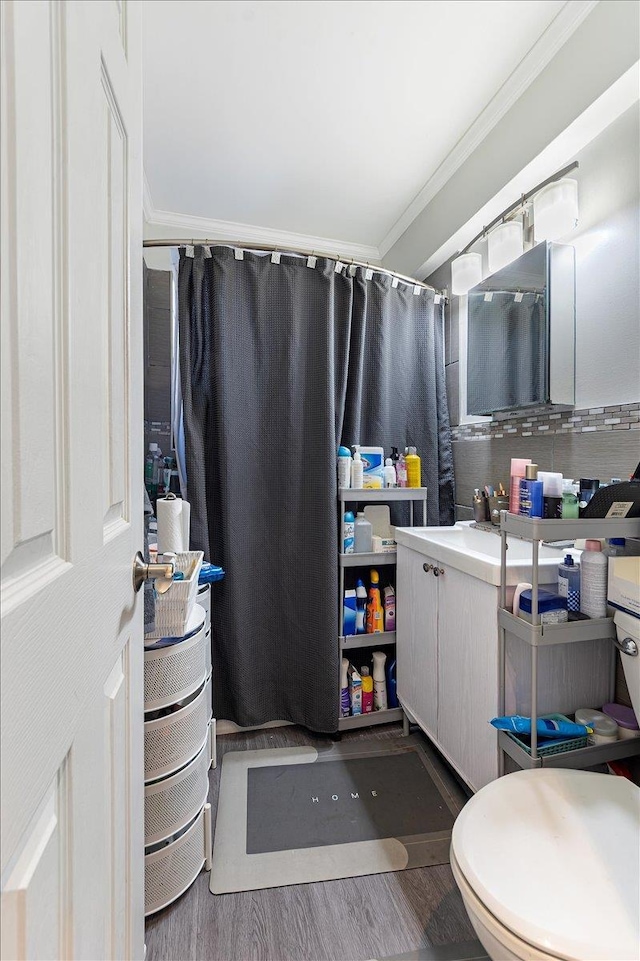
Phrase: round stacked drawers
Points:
(178, 749)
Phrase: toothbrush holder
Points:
(497, 504)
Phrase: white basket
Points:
(174, 607)
(170, 804)
(172, 673)
(169, 871)
(173, 740)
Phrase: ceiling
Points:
(322, 118)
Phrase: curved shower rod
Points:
(348, 261)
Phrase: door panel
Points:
(417, 638)
(468, 675)
(71, 700)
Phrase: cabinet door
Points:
(416, 638)
(468, 675)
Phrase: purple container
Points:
(624, 717)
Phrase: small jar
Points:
(625, 718)
(605, 730)
(586, 715)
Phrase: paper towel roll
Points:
(186, 525)
(170, 524)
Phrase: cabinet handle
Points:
(427, 567)
(437, 571)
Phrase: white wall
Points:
(603, 48)
(607, 246)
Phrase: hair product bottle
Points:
(379, 681)
(357, 474)
(367, 690)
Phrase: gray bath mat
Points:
(296, 815)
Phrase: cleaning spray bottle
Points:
(375, 610)
(379, 681)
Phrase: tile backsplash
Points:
(601, 442)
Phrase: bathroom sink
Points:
(477, 552)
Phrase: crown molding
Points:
(188, 225)
(542, 52)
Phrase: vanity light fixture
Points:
(466, 272)
(505, 244)
(555, 210)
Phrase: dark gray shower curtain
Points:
(279, 363)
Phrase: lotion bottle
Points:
(389, 474)
(379, 681)
(357, 472)
(593, 580)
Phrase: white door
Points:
(417, 638)
(71, 650)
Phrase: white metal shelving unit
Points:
(179, 749)
(385, 495)
(538, 635)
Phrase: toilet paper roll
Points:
(170, 524)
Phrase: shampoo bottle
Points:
(361, 608)
(569, 500)
(357, 475)
(367, 690)
(413, 468)
(344, 688)
(374, 607)
(531, 497)
(593, 580)
(379, 681)
(344, 468)
(348, 535)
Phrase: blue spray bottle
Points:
(361, 608)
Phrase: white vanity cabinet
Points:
(447, 661)
(448, 645)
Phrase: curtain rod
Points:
(518, 203)
(292, 250)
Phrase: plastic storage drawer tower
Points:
(179, 749)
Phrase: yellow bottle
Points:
(414, 475)
(375, 610)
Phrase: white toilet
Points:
(548, 860)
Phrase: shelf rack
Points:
(385, 495)
(538, 635)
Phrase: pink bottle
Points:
(518, 471)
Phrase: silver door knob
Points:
(161, 573)
(626, 646)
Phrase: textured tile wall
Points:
(577, 443)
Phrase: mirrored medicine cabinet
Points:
(521, 333)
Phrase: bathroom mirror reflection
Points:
(521, 333)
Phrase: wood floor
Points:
(356, 919)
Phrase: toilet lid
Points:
(554, 855)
